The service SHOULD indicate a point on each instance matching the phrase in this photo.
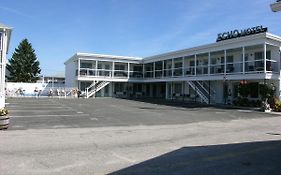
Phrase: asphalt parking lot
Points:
(48, 113)
(120, 137)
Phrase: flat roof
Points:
(94, 55)
(217, 44)
(192, 49)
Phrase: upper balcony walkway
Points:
(252, 62)
(229, 70)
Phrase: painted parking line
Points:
(41, 107)
(31, 105)
(244, 110)
(60, 115)
(93, 118)
(40, 110)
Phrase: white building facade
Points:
(5, 34)
(210, 73)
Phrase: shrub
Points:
(277, 106)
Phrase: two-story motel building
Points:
(201, 73)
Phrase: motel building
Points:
(209, 73)
(5, 36)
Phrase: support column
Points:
(96, 71)
(224, 62)
(182, 66)
(153, 70)
(128, 71)
(78, 73)
(264, 53)
(143, 71)
(209, 63)
(243, 59)
(163, 69)
(195, 64)
(173, 67)
(113, 69)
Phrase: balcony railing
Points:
(251, 66)
(86, 72)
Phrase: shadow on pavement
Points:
(252, 158)
(188, 104)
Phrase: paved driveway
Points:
(79, 136)
(48, 113)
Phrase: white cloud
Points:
(16, 12)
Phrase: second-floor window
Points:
(86, 65)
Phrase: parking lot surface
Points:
(125, 137)
(47, 113)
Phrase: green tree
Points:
(24, 66)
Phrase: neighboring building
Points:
(43, 87)
(5, 35)
(204, 73)
(53, 81)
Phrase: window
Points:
(137, 68)
(148, 66)
(229, 59)
(246, 57)
(178, 88)
(168, 64)
(86, 65)
(213, 61)
(119, 67)
(258, 55)
(205, 62)
(178, 65)
(107, 66)
(268, 55)
(119, 87)
(158, 65)
(192, 63)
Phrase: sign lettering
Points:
(240, 33)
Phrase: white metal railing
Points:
(200, 93)
(235, 67)
(205, 90)
(95, 87)
(87, 72)
(51, 92)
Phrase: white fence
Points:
(39, 90)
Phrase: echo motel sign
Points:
(240, 33)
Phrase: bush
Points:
(275, 104)
(246, 102)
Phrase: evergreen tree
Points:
(24, 66)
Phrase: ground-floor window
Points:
(119, 87)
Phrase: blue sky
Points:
(59, 28)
